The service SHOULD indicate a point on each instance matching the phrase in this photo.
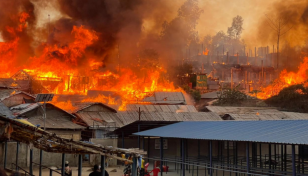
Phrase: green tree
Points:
(231, 97)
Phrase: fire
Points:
(8, 49)
(68, 70)
(206, 52)
(285, 79)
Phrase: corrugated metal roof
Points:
(276, 131)
(166, 98)
(210, 95)
(126, 117)
(23, 108)
(5, 111)
(161, 108)
(7, 82)
(5, 93)
(52, 121)
(55, 122)
(89, 118)
(84, 105)
(16, 93)
(221, 110)
(271, 116)
(296, 115)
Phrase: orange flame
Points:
(58, 70)
(285, 79)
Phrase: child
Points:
(155, 171)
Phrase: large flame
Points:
(285, 79)
(68, 70)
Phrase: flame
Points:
(285, 79)
(63, 70)
(206, 52)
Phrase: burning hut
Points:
(30, 81)
(17, 98)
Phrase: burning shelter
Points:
(17, 98)
(29, 81)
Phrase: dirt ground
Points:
(85, 171)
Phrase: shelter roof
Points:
(5, 92)
(7, 83)
(270, 131)
(210, 95)
(5, 111)
(123, 118)
(50, 142)
(142, 125)
(85, 105)
(166, 98)
(17, 93)
(221, 110)
(99, 118)
(161, 108)
(23, 108)
(54, 121)
(270, 116)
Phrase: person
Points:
(97, 172)
(142, 171)
(155, 171)
(68, 170)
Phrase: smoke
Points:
(120, 24)
(292, 16)
(13, 15)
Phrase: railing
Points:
(26, 172)
(50, 170)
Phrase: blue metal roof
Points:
(275, 131)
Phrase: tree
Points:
(292, 98)
(236, 29)
(231, 97)
(280, 26)
(181, 30)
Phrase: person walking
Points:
(97, 172)
(68, 170)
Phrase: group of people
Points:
(96, 171)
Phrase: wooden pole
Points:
(238, 60)
(262, 74)
(80, 165)
(231, 78)
(227, 57)
(255, 55)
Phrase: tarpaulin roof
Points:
(276, 131)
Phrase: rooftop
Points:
(270, 131)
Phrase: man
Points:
(68, 170)
(97, 172)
